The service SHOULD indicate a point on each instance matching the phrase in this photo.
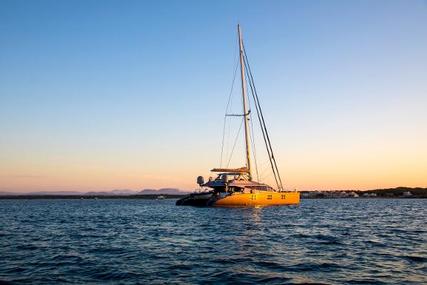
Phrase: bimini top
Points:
(231, 170)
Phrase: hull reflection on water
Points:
(259, 198)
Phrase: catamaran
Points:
(236, 186)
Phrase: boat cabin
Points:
(235, 181)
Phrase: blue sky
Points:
(131, 94)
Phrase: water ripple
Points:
(375, 241)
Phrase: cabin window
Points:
(283, 196)
(269, 197)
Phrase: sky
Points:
(102, 95)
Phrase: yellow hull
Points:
(261, 198)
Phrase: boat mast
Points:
(245, 103)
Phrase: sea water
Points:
(131, 241)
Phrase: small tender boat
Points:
(235, 186)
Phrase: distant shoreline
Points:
(149, 197)
(396, 193)
(84, 197)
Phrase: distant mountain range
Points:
(170, 191)
(416, 192)
(116, 192)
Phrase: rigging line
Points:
(254, 150)
(263, 121)
(264, 166)
(265, 173)
(263, 131)
(267, 147)
(235, 142)
(226, 110)
(263, 126)
(253, 141)
(265, 170)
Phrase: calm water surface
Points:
(351, 241)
